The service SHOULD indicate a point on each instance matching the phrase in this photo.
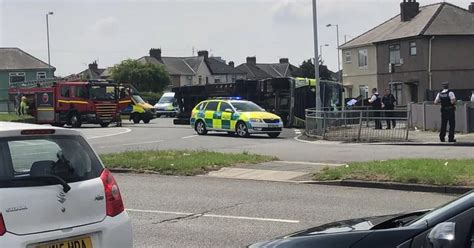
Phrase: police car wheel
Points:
(242, 130)
(273, 135)
(136, 118)
(201, 128)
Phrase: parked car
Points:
(449, 226)
(167, 105)
(55, 192)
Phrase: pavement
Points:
(213, 212)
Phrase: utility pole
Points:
(316, 63)
(337, 49)
(47, 36)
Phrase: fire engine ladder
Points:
(47, 82)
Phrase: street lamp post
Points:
(338, 57)
(47, 35)
(316, 56)
(321, 50)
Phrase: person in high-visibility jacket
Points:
(23, 106)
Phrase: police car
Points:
(234, 116)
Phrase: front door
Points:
(225, 117)
(211, 109)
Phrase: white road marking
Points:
(133, 144)
(188, 137)
(215, 216)
(125, 130)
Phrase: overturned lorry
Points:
(287, 97)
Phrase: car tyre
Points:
(146, 119)
(104, 124)
(242, 130)
(274, 135)
(136, 118)
(201, 128)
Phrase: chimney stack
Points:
(471, 7)
(252, 60)
(155, 53)
(93, 66)
(409, 9)
(284, 61)
(231, 64)
(204, 54)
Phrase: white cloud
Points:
(290, 11)
(108, 26)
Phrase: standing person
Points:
(388, 104)
(23, 105)
(448, 100)
(472, 96)
(376, 102)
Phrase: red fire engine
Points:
(72, 103)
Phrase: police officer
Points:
(376, 102)
(448, 108)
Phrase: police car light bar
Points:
(228, 98)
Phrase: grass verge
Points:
(420, 171)
(183, 163)
(15, 118)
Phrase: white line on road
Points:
(215, 216)
(126, 130)
(134, 144)
(188, 137)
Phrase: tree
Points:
(306, 70)
(144, 76)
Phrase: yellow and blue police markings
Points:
(255, 121)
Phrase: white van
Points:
(55, 192)
(167, 105)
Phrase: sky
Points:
(109, 31)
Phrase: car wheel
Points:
(242, 130)
(136, 118)
(104, 124)
(273, 135)
(146, 119)
(75, 120)
(201, 128)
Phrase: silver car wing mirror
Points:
(443, 235)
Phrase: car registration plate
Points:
(83, 242)
(272, 125)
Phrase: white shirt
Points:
(472, 97)
(373, 98)
(452, 97)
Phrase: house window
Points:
(348, 57)
(217, 80)
(394, 51)
(234, 78)
(363, 59)
(16, 77)
(207, 80)
(41, 75)
(200, 79)
(397, 92)
(189, 80)
(413, 51)
(364, 91)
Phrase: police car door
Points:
(225, 116)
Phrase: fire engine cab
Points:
(71, 103)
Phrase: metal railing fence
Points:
(358, 125)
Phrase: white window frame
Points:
(364, 88)
(363, 52)
(397, 91)
(413, 45)
(392, 49)
(16, 74)
(348, 57)
(189, 80)
(40, 73)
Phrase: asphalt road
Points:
(162, 134)
(211, 212)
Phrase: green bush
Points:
(151, 97)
